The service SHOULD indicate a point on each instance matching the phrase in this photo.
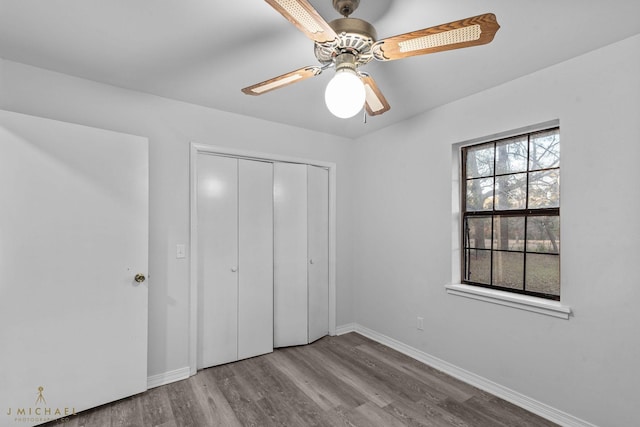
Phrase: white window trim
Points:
(508, 299)
(494, 296)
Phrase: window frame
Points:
(526, 213)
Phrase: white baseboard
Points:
(345, 329)
(168, 377)
(532, 405)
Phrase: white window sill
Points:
(522, 302)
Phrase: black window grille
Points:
(511, 214)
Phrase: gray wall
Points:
(586, 366)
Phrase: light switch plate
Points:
(181, 251)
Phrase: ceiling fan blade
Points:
(375, 102)
(473, 31)
(301, 14)
(283, 80)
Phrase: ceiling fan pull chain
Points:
(364, 116)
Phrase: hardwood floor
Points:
(337, 381)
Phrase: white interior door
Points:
(73, 234)
(217, 186)
(255, 267)
(290, 254)
(318, 250)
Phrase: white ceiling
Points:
(205, 51)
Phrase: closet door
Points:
(318, 251)
(301, 230)
(255, 251)
(290, 257)
(235, 265)
(218, 260)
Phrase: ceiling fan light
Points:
(345, 94)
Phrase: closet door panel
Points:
(290, 256)
(217, 188)
(255, 267)
(318, 249)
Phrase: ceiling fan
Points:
(349, 43)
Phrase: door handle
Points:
(139, 278)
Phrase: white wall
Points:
(170, 127)
(586, 366)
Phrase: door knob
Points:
(311, 261)
(139, 278)
(234, 269)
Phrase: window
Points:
(511, 214)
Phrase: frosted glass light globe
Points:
(345, 94)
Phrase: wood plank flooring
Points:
(337, 381)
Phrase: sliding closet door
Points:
(255, 267)
(218, 260)
(318, 251)
(290, 257)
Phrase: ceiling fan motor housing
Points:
(355, 36)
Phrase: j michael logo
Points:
(40, 412)
(40, 399)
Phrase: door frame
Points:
(197, 149)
